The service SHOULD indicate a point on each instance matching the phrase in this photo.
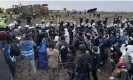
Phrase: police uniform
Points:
(43, 20)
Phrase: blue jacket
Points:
(112, 39)
(42, 48)
(27, 47)
(100, 41)
(123, 39)
(42, 58)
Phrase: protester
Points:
(121, 70)
(10, 50)
(86, 42)
(53, 59)
(29, 20)
(42, 55)
(27, 50)
(43, 20)
(83, 64)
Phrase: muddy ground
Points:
(23, 73)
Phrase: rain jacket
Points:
(27, 48)
(42, 55)
(67, 38)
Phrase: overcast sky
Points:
(78, 5)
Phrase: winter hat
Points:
(82, 48)
(95, 49)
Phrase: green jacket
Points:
(123, 75)
(3, 25)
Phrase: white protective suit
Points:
(129, 49)
(67, 38)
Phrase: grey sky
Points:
(78, 5)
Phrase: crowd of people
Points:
(85, 45)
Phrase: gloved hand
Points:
(98, 70)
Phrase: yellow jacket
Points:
(43, 20)
(3, 25)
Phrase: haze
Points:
(124, 6)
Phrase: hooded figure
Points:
(95, 62)
(93, 26)
(83, 64)
(42, 55)
(129, 49)
(67, 38)
(56, 39)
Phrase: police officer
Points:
(3, 26)
(29, 20)
(43, 20)
(10, 15)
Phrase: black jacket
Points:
(95, 61)
(83, 63)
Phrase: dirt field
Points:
(22, 73)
